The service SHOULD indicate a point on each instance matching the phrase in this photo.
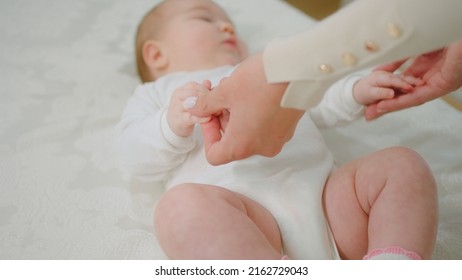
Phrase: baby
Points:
(295, 205)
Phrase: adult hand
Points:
(257, 123)
(441, 72)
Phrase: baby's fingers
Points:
(189, 93)
(191, 89)
(189, 102)
(390, 80)
(414, 81)
(382, 93)
(399, 83)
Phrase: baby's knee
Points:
(176, 211)
(411, 164)
(177, 200)
(179, 192)
(402, 153)
(406, 157)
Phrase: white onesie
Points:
(289, 185)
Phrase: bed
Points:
(66, 71)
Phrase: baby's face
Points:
(199, 35)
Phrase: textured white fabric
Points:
(67, 70)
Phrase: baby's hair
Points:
(148, 29)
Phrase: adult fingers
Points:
(215, 148)
(416, 98)
(208, 104)
(391, 67)
(224, 147)
(372, 112)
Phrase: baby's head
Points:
(186, 35)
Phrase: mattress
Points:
(67, 69)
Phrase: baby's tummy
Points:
(308, 166)
(197, 170)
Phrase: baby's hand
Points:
(181, 122)
(379, 85)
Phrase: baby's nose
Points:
(227, 27)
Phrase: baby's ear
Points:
(153, 56)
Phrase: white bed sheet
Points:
(66, 71)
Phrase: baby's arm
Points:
(180, 121)
(148, 136)
(344, 101)
(379, 85)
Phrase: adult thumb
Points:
(206, 104)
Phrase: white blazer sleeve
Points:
(363, 34)
(148, 148)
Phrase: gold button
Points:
(349, 59)
(394, 30)
(326, 68)
(371, 46)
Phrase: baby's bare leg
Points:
(208, 222)
(388, 198)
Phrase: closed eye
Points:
(205, 18)
(202, 13)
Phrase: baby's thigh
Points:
(346, 218)
(202, 197)
(356, 185)
(351, 191)
(209, 204)
(348, 197)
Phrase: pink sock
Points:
(285, 257)
(391, 253)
